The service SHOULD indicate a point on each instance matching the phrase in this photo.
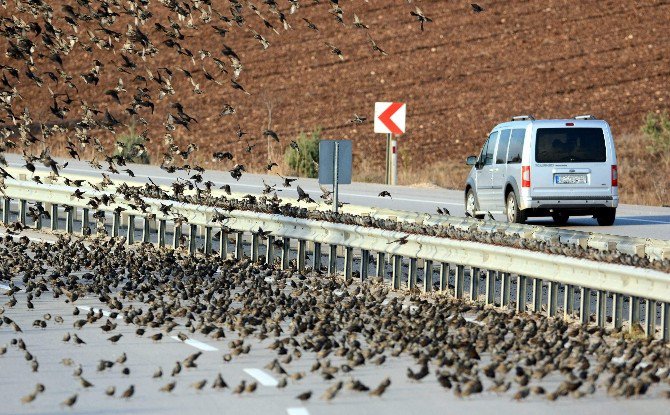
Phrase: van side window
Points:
(490, 146)
(516, 146)
(502, 147)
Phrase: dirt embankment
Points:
(464, 73)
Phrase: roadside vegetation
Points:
(302, 156)
(130, 145)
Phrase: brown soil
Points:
(462, 75)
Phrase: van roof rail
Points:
(585, 117)
(523, 118)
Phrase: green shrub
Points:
(656, 130)
(131, 146)
(304, 162)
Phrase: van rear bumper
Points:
(569, 202)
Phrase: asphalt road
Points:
(632, 220)
(58, 360)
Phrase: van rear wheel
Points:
(606, 216)
(514, 214)
(560, 218)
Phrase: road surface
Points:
(632, 220)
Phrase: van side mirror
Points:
(471, 160)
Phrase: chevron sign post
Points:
(390, 120)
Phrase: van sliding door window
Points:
(502, 146)
(516, 146)
(570, 145)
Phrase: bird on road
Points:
(304, 396)
(384, 193)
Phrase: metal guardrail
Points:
(477, 268)
(652, 249)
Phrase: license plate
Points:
(570, 179)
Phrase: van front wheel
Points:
(606, 216)
(514, 214)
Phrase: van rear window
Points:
(570, 145)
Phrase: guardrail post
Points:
(490, 286)
(348, 262)
(255, 242)
(474, 283)
(665, 321)
(569, 300)
(302, 254)
(54, 217)
(316, 260)
(365, 264)
(537, 295)
(396, 272)
(23, 205)
(162, 224)
(601, 302)
(521, 293)
(585, 305)
(223, 244)
(427, 276)
(650, 318)
(85, 221)
(208, 240)
(617, 311)
(381, 264)
(332, 259)
(270, 250)
(131, 229)
(101, 221)
(176, 235)
(239, 245)
(444, 275)
(459, 281)
(69, 219)
(38, 222)
(633, 312)
(505, 289)
(411, 278)
(146, 229)
(192, 239)
(116, 224)
(552, 298)
(6, 207)
(285, 252)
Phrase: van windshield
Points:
(570, 145)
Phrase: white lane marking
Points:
(262, 377)
(297, 411)
(473, 320)
(197, 344)
(644, 220)
(97, 310)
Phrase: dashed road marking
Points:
(97, 310)
(297, 411)
(197, 344)
(262, 377)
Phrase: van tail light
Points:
(525, 176)
(615, 176)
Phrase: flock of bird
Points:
(338, 327)
(165, 291)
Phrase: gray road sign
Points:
(327, 161)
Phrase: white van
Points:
(557, 168)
